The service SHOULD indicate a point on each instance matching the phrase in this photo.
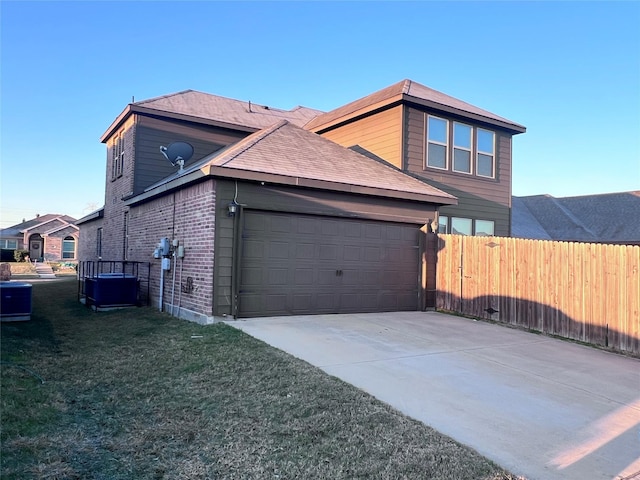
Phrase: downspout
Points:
(235, 261)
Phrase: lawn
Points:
(137, 394)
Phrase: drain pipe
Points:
(161, 285)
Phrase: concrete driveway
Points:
(540, 407)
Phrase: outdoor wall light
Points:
(233, 208)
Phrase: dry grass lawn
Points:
(136, 394)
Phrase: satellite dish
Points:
(177, 153)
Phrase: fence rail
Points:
(582, 291)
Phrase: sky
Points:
(569, 72)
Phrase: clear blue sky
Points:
(569, 72)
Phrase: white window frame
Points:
(455, 147)
(5, 244)
(75, 245)
(435, 142)
(481, 152)
(466, 219)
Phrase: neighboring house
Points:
(273, 219)
(603, 218)
(50, 237)
(452, 145)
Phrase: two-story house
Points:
(265, 218)
(454, 146)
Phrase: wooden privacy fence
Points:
(582, 291)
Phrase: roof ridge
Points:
(153, 99)
(407, 86)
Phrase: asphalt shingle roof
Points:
(407, 90)
(287, 151)
(610, 217)
(213, 107)
(16, 230)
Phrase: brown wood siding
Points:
(283, 199)
(151, 166)
(380, 134)
(478, 198)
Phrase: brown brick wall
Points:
(188, 216)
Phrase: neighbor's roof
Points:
(590, 218)
(289, 155)
(18, 230)
(225, 112)
(409, 91)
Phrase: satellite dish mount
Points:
(177, 153)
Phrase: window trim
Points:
(482, 152)
(69, 239)
(435, 142)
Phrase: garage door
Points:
(305, 264)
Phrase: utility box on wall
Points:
(15, 301)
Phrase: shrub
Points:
(19, 255)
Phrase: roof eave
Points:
(133, 109)
(405, 99)
(237, 174)
(512, 127)
(227, 172)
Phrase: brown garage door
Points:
(305, 264)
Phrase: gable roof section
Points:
(194, 106)
(590, 218)
(19, 229)
(409, 91)
(288, 155)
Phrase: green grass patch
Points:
(136, 393)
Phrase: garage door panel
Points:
(302, 264)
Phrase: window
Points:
(99, 243)
(485, 157)
(9, 244)
(472, 151)
(443, 224)
(461, 148)
(68, 248)
(437, 142)
(484, 228)
(461, 226)
(117, 155)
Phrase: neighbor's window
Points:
(437, 142)
(485, 156)
(485, 228)
(69, 247)
(461, 226)
(443, 224)
(9, 244)
(461, 148)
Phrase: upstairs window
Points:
(485, 144)
(437, 142)
(117, 156)
(461, 148)
(69, 248)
